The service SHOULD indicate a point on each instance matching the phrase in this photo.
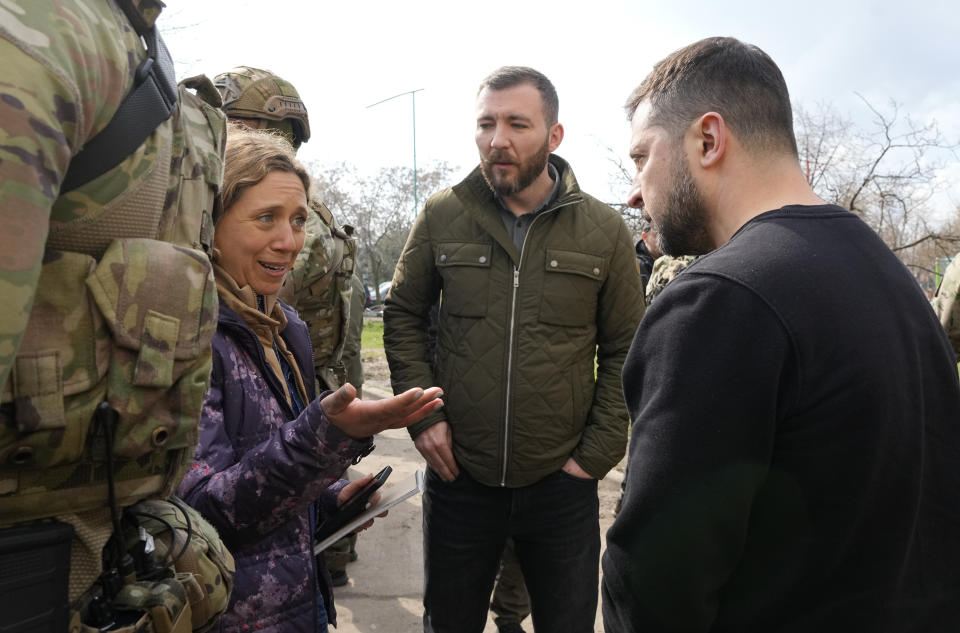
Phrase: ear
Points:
(555, 136)
(712, 138)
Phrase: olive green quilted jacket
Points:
(518, 333)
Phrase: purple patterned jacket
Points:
(256, 473)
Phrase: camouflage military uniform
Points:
(109, 302)
(664, 270)
(319, 288)
(352, 362)
(946, 304)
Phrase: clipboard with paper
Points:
(391, 495)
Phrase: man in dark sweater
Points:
(795, 404)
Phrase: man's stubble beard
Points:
(527, 173)
(682, 228)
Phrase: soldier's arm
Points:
(352, 339)
(947, 304)
(619, 309)
(37, 117)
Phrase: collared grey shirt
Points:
(517, 226)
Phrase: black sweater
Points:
(795, 457)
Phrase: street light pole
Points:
(413, 101)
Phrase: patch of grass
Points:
(372, 336)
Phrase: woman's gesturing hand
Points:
(362, 418)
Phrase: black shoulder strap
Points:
(148, 104)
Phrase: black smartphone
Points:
(354, 506)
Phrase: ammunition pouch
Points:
(133, 330)
(178, 577)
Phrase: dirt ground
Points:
(375, 370)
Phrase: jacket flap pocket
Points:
(576, 263)
(464, 254)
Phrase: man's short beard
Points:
(527, 172)
(682, 227)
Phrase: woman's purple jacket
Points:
(257, 472)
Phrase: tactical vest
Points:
(124, 312)
(319, 288)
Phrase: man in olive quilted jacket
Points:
(537, 281)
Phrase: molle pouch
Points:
(160, 303)
(203, 565)
(199, 138)
(146, 607)
(55, 385)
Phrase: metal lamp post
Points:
(413, 100)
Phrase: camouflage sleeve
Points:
(946, 304)
(63, 78)
(351, 345)
(664, 271)
(34, 155)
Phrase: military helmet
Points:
(252, 93)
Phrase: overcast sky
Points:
(343, 56)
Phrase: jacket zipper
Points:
(513, 323)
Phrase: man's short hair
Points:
(510, 76)
(724, 75)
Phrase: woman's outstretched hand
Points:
(363, 418)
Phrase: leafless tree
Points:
(380, 207)
(620, 179)
(886, 174)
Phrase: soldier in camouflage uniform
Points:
(109, 308)
(352, 362)
(320, 285)
(665, 268)
(946, 303)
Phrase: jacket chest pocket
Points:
(465, 270)
(571, 283)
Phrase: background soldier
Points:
(947, 304)
(108, 313)
(665, 268)
(647, 252)
(321, 285)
